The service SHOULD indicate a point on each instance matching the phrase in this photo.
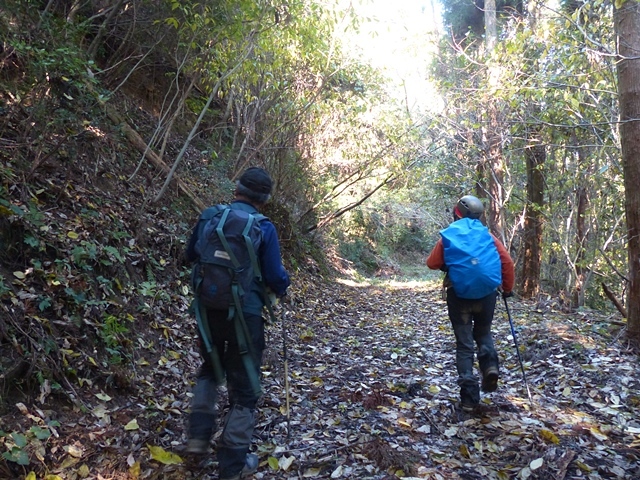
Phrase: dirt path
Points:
(374, 390)
(373, 395)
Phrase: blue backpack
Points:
(472, 259)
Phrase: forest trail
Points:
(374, 389)
(373, 395)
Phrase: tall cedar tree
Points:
(627, 25)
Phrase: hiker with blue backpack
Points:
(478, 267)
(236, 257)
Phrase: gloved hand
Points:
(507, 294)
(286, 297)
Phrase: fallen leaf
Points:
(583, 466)
(403, 422)
(549, 436)
(285, 462)
(69, 462)
(525, 473)
(450, 432)
(83, 471)
(312, 472)
(162, 456)
(134, 470)
(597, 434)
(132, 425)
(73, 451)
(464, 451)
(536, 464)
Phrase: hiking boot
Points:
(490, 379)
(197, 446)
(250, 467)
(468, 407)
(469, 401)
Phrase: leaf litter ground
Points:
(372, 395)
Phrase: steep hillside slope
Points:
(89, 256)
(93, 287)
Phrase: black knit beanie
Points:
(255, 183)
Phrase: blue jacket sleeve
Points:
(273, 272)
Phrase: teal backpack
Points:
(228, 264)
(472, 259)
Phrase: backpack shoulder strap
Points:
(223, 239)
(209, 213)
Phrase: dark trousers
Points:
(471, 321)
(238, 428)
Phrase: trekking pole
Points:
(515, 341)
(269, 304)
(286, 373)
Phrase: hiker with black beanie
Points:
(221, 337)
(478, 266)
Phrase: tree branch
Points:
(616, 302)
(338, 213)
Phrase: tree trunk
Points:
(582, 201)
(536, 156)
(490, 25)
(495, 171)
(97, 41)
(494, 164)
(627, 27)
